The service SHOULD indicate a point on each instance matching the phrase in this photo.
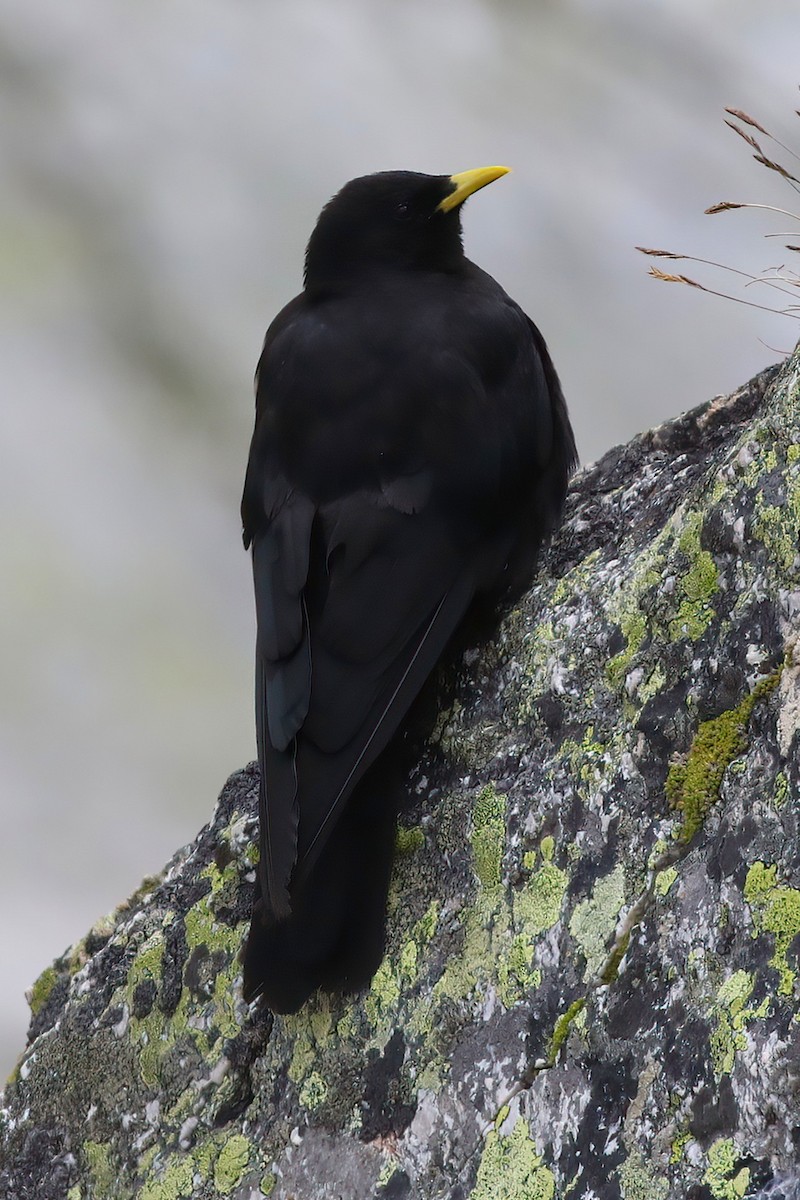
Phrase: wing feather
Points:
(279, 811)
(328, 779)
(281, 553)
(356, 601)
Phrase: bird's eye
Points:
(402, 211)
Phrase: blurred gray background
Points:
(162, 166)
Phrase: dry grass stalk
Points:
(748, 120)
(774, 166)
(742, 116)
(778, 278)
(659, 253)
(723, 206)
(791, 310)
(751, 141)
(658, 274)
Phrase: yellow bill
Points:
(467, 182)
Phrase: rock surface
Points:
(591, 985)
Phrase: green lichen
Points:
(487, 920)
(639, 1181)
(207, 1017)
(232, 1163)
(516, 977)
(426, 926)
(146, 1033)
(502, 1116)
(321, 1021)
(676, 551)
(696, 585)
(591, 758)
(626, 609)
(304, 1052)
(101, 1169)
(488, 837)
(776, 910)
(781, 793)
(202, 925)
(391, 981)
(387, 1171)
(144, 1163)
(224, 1018)
(174, 1182)
(477, 957)
(219, 1158)
(777, 526)
(592, 922)
(679, 1145)
(510, 1169)
(651, 685)
(383, 994)
(581, 1022)
(407, 841)
(41, 990)
(205, 1154)
(664, 880)
(574, 583)
(725, 1182)
(693, 787)
(539, 647)
(562, 1028)
(314, 1091)
(408, 964)
(146, 966)
(267, 1184)
(346, 1026)
(735, 991)
(733, 1017)
(177, 1113)
(760, 881)
(538, 905)
(633, 627)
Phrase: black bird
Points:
(411, 452)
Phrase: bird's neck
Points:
(359, 278)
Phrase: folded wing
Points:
(356, 600)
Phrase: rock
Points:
(590, 988)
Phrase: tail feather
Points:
(335, 935)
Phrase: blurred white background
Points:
(162, 167)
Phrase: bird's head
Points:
(399, 219)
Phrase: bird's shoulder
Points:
(439, 377)
(394, 327)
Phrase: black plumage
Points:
(411, 452)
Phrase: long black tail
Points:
(335, 936)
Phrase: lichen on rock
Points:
(590, 984)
